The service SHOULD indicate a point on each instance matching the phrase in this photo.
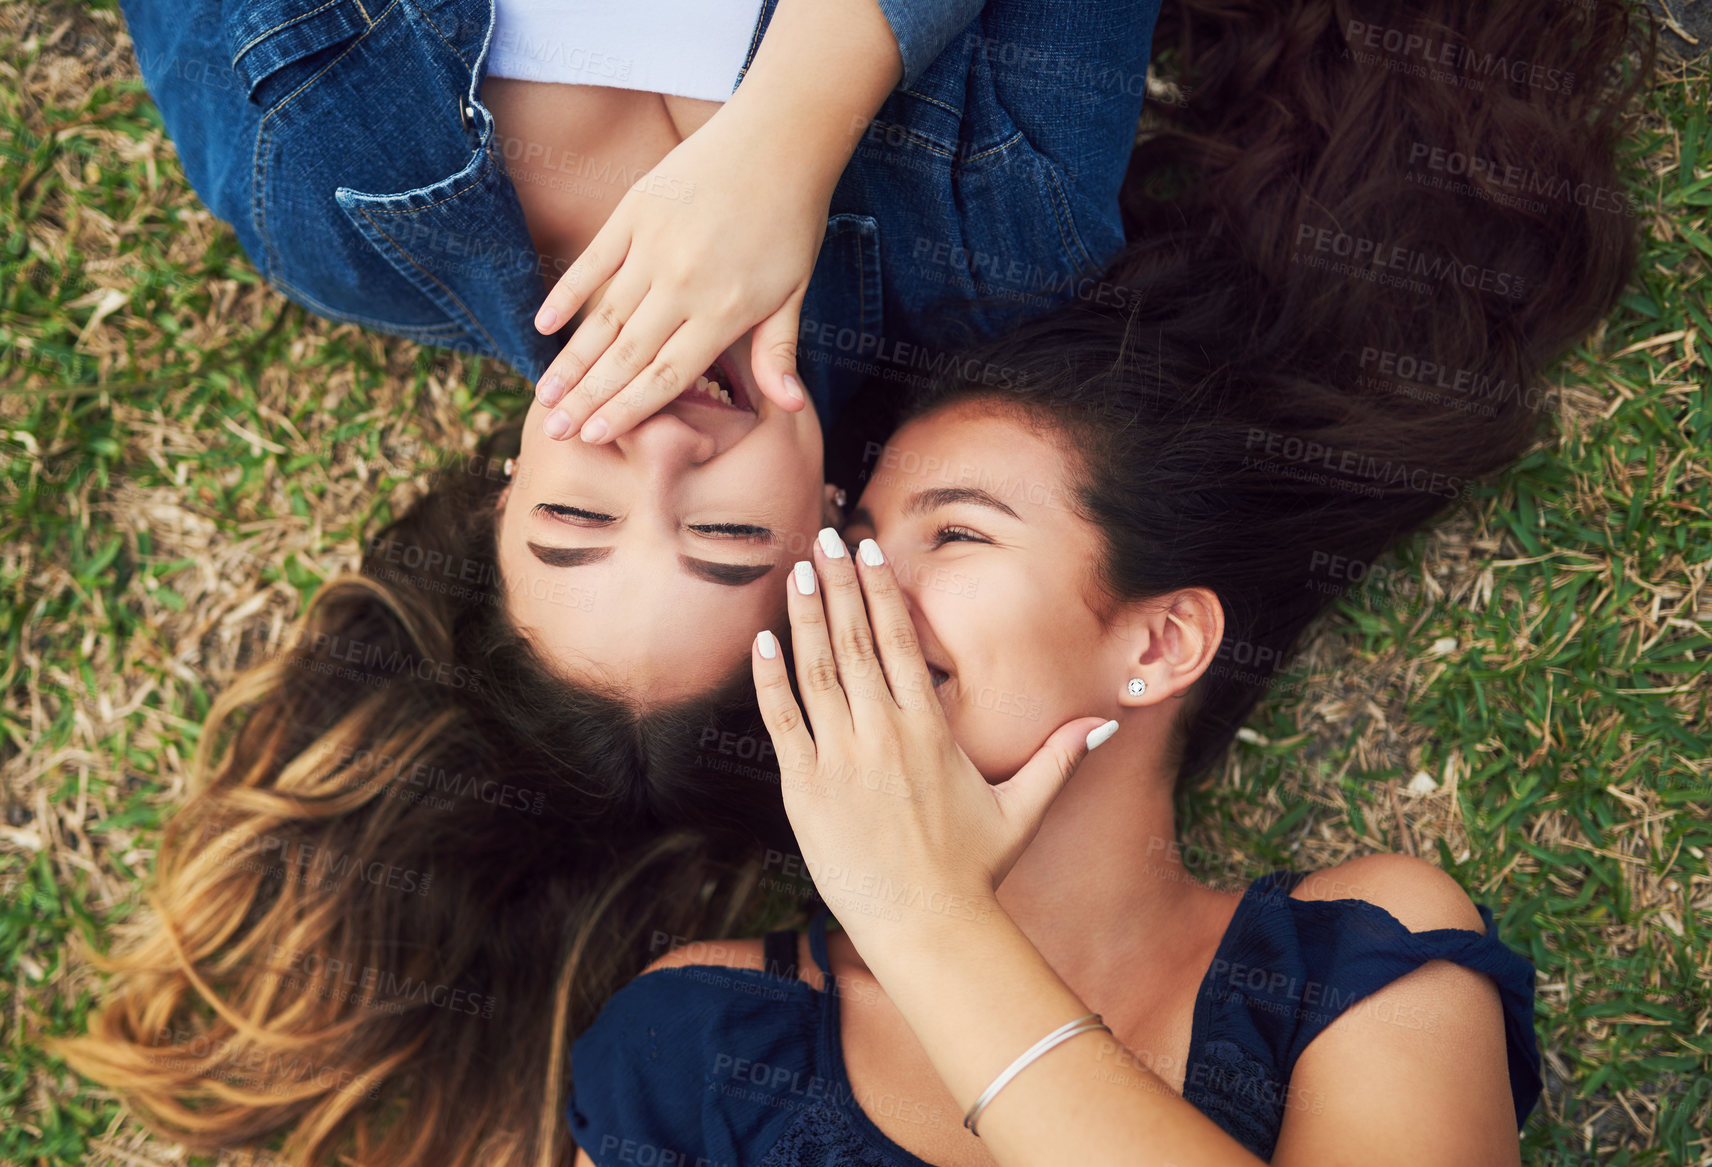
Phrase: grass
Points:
(1523, 699)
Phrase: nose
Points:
(909, 579)
(666, 442)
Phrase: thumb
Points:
(1033, 788)
(773, 356)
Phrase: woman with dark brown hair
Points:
(1056, 603)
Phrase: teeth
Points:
(713, 389)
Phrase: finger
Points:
(817, 672)
(598, 263)
(895, 641)
(847, 628)
(773, 356)
(1025, 796)
(691, 349)
(591, 338)
(614, 375)
(793, 745)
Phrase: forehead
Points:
(657, 639)
(1001, 450)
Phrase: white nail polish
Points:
(870, 553)
(805, 578)
(1099, 736)
(831, 543)
(768, 645)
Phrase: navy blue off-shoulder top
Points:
(706, 1066)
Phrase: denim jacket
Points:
(346, 143)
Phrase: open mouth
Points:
(719, 387)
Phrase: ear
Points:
(831, 514)
(1173, 640)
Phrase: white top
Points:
(687, 48)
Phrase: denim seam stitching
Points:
(932, 100)
(1061, 204)
(265, 133)
(429, 21)
(473, 183)
(492, 344)
(754, 44)
(364, 11)
(991, 150)
(262, 36)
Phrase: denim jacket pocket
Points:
(285, 40)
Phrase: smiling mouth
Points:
(719, 387)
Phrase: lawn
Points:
(1520, 695)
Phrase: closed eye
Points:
(949, 534)
(576, 514)
(734, 531)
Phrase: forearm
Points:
(822, 71)
(977, 994)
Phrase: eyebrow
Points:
(731, 575)
(923, 501)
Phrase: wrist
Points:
(809, 148)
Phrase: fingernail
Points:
(595, 430)
(793, 389)
(1100, 736)
(547, 321)
(767, 644)
(557, 425)
(804, 575)
(832, 543)
(551, 388)
(870, 553)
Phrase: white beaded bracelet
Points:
(1063, 1033)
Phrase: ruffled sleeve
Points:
(1288, 968)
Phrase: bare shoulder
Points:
(1421, 896)
(734, 953)
(1415, 1072)
(722, 953)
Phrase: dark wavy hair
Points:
(1336, 310)
(295, 979)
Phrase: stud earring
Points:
(508, 468)
(839, 498)
(1137, 686)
